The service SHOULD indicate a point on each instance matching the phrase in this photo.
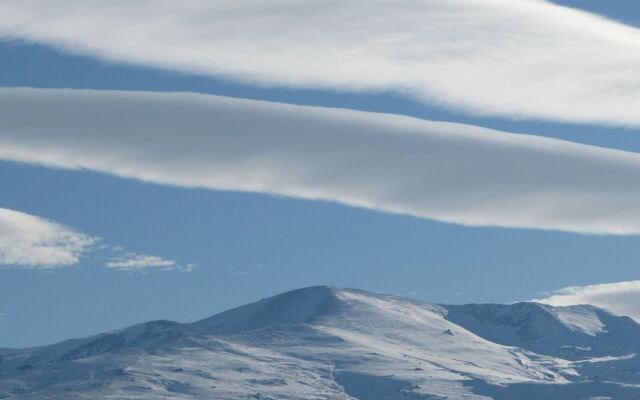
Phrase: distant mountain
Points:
(572, 332)
(327, 343)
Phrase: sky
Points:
(194, 177)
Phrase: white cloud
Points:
(186, 267)
(527, 58)
(139, 262)
(622, 298)
(448, 172)
(28, 241)
(32, 242)
(135, 262)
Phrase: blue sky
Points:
(250, 245)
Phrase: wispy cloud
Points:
(31, 242)
(139, 262)
(498, 57)
(28, 241)
(448, 172)
(620, 297)
(133, 262)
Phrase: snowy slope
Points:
(571, 332)
(327, 343)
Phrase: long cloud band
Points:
(530, 59)
(443, 171)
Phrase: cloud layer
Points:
(33, 242)
(531, 59)
(621, 297)
(448, 172)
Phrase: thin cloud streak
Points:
(622, 298)
(448, 172)
(519, 59)
(139, 262)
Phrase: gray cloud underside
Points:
(443, 171)
(511, 58)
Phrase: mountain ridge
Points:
(330, 343)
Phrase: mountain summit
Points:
(329, 343)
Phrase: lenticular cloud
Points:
(448, 172)
(523, 59)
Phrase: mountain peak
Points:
(295, 306)
(329, 343)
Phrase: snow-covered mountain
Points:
(327, 343)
